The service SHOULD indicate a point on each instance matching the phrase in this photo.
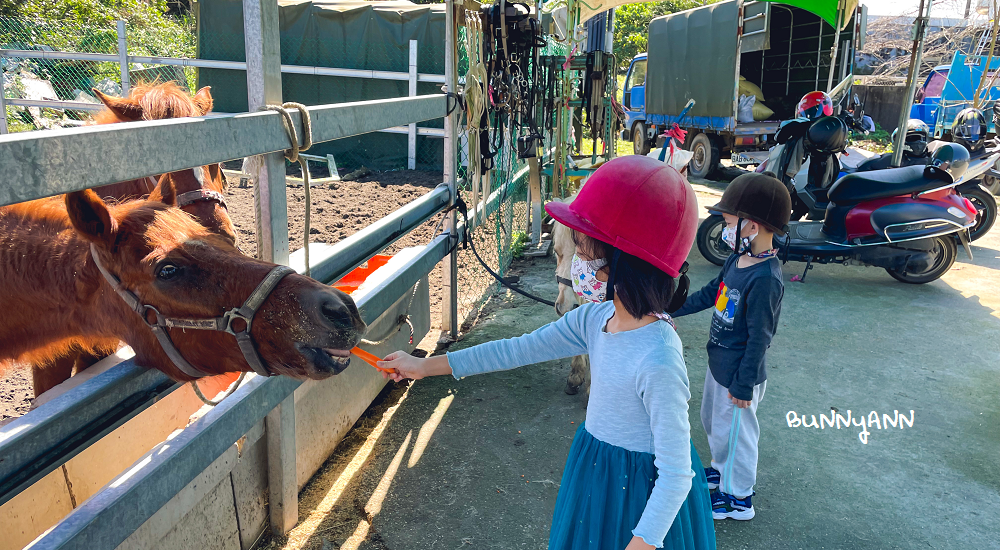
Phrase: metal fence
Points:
(62, 161)
(49, 69)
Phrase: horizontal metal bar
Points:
(431, 132)
(217, 64)
(41, 164)
(338, 260)
(54, 104)
(73, 56)
(44, 438)
(110, 516)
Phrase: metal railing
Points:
(41, 164)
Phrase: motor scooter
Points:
(899, 219)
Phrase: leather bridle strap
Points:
(202, 194)
(224, 323)
(564, 281)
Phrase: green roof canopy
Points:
(827, 9)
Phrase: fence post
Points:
(263, 54)
(411, 135)
(3, 107)
(123, 57)
(535, 198)
(449, 313)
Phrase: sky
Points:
(941, 8)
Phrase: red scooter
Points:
(899, 219)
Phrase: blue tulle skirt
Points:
(593, 512)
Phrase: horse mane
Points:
(158, 100)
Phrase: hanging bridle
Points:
(222, 324)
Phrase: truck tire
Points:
(706, 156)
(640, 145)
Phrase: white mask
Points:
(583, 273)
(729, 236)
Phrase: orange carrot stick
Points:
(369, 358)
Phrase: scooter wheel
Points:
(945, 251)
(710, 242)
(987, 211)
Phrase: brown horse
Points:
(200, 194)
(175, 267)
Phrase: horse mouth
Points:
(326, 361)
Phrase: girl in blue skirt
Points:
(628, 482)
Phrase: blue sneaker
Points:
(713, 476)
(727, 506)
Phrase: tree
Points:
(632, 24)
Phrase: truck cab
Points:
(634, 102)
(949, 89)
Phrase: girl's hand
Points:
(404, 365)
(638, 544)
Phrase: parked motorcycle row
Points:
(849, 206)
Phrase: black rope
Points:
(468, 240)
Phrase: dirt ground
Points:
(338, 211)
(446, 464)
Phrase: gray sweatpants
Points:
(732, 435)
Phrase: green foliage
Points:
(517, 242)
(10, 8)
(879, 141)
(632, 24)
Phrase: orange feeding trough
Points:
(349, 283)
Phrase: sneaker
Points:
(713, 476)
(727, 506)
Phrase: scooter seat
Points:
(893, 182)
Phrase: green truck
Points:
(781, 52)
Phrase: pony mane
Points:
(159, 100)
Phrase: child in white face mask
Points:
(628, 481)
(747, 298)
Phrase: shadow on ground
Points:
(446, 464)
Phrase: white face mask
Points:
(729, 236)
(583, 273)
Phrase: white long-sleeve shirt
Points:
(638, 396)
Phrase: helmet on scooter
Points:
(917, 134)
(827, 135)
(758, 197)
(640, 206)
(814, 105)
(969, 129)
(949, 162)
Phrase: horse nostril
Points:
(338, 314)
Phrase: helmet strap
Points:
(612, 272)
(680, 290)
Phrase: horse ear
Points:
(164, 191)
(90, 216)
(125, 110)
(203, 100)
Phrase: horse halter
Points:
(198, 195)
(224, 323)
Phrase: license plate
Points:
(742, 160)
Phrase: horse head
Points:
(187, 281)
(155, 101)
(200, 192)
(564, 247)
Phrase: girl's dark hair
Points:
(641, 287)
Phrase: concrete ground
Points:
(446, 464)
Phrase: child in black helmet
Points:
(747, 298)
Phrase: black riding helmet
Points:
(827, 135)
(949, 162)
(758, 197)
(917, 134)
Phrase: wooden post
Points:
(535, 196)
(263, 54)
(123, 58)
(449, 313)
(411, 134)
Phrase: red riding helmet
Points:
(814, 105)
(640, 206)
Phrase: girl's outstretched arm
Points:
(404, 365)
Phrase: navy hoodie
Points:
(747, 303)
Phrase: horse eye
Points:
(168, 272)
